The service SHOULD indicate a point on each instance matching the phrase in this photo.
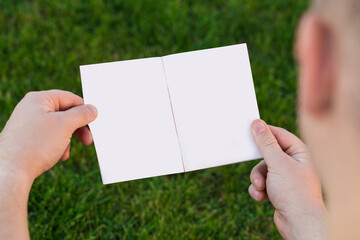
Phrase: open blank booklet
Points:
(172, 114)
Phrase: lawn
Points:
(42, 44)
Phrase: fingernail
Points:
(259, 127)
(92, 110)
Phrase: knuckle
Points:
(54, 92)
(250, 190)
(85, 114)
(82, 117)
(253, 173)
(253, 193)
(30, 95)
(34, 96)
(269, 141)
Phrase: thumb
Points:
(266, 142)
(79, 116)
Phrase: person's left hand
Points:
(39, 131)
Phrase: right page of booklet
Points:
(214, 104)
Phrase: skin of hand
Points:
(286, 178)
(36, 137)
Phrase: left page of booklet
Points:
(134, 134)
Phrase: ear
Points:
(315, 53)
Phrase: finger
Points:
(266, 142)
(79, 116)
(66, 154)
(258, 176)
(288, 142)
(266, 196)
(59, 100)
(257, 195)
(84, 135)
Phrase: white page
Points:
(214, 104)
(134, 133)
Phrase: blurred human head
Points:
(328, 53)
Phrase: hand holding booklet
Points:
(172, 114)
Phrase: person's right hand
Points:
(286, 178)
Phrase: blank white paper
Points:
(134, 133)
(214, 104)
(171, 114)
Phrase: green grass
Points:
(42, 44)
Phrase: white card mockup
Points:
(172, 114)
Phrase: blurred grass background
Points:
(42, 44)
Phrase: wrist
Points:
(14, 181)
(15, 188)
(307, 222)
(12, 172)
(311, 223)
